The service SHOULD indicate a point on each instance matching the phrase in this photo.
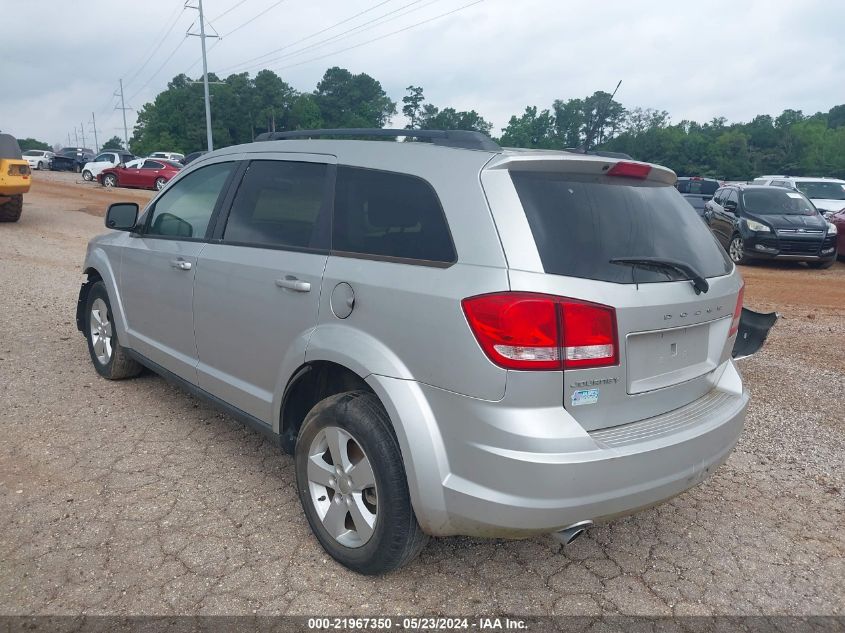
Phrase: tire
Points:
(109, 180)
(159, 183)
(11, 211)
(40, 165)
(107, 354)
(821, 265)
(379, 532)
(87, 176)
(77, 168)
(736, 250)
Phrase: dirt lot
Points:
(134, 498)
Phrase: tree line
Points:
(244, 107)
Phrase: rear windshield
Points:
(775, 201)
(704, 187)
(581, 223)
(821, 190)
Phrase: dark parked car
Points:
(697, 190)
(71, 159)
(191, 157)
(760, 222)
(151, 174)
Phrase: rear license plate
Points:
(667, 357)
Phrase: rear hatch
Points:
(618, 235)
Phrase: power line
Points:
(157, 46)
(381, 37)
(229, 10)
(159, 69)
(307, 37)
(253, 19)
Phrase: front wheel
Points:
(737, 250)
(10, 211)
(110, 180)
(159, 184)
(40, 165)
(107, 354)
(351, 482)
(87, 176)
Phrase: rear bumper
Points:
(513, 473)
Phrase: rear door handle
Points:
(181, 264)
(292, 283)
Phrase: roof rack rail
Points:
(447, 138)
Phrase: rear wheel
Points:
(736, 250)
(87, 176)
(107, 354)
(110, 180)
(77, 168)
(10, 211)
(159, 184)
(351, 482)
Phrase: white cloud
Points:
(62, 60)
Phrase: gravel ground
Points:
(135, 498)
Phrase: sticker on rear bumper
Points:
(585, 396)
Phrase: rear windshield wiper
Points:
(698, 281)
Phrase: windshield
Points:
(580, 223)
(33, 152)
(820, 190)
(775, 201)
(699, 186)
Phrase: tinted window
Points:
(388, 214)
(776, 202)
(581, 223)
(152, 164)
(781, 183)
(821, 190)
(185, 209)
(278, 203)
(682, 185)
(104, 158)
(703, 187)
(717, 197)
(731, 197)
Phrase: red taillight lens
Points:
(737, 311)
(630, 170)
(521, 330)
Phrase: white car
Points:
(104, 160)
(38, 158)
(167, 155)
(827, 194)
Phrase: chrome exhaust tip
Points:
(569, 534)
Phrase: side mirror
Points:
(122, 216)
(730, 206)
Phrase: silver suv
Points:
(449, 337)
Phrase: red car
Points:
(150, 174)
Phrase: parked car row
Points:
(39, 158)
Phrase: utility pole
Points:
(203, 37)
(94, 125)
(82, 132)
(68, 139)
(123, 108)
(76, 136)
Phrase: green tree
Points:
(115, 142)
(432, 118)
(346, 100)
(530, 130)
(413, 105)
(31, 143)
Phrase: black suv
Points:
(759, 222)
(71, 159)
(697, 190)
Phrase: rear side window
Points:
(278, 204)
(386, 214)
(580, 223)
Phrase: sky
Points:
(62, 61)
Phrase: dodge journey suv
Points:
(449, 337)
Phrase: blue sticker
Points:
(585, 396)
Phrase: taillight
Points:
(630, 170)
(522, 330)
(737, 311)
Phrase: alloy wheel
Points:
(101, 331)
(342, 486)
(737, 249)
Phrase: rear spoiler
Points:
(753, 330)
